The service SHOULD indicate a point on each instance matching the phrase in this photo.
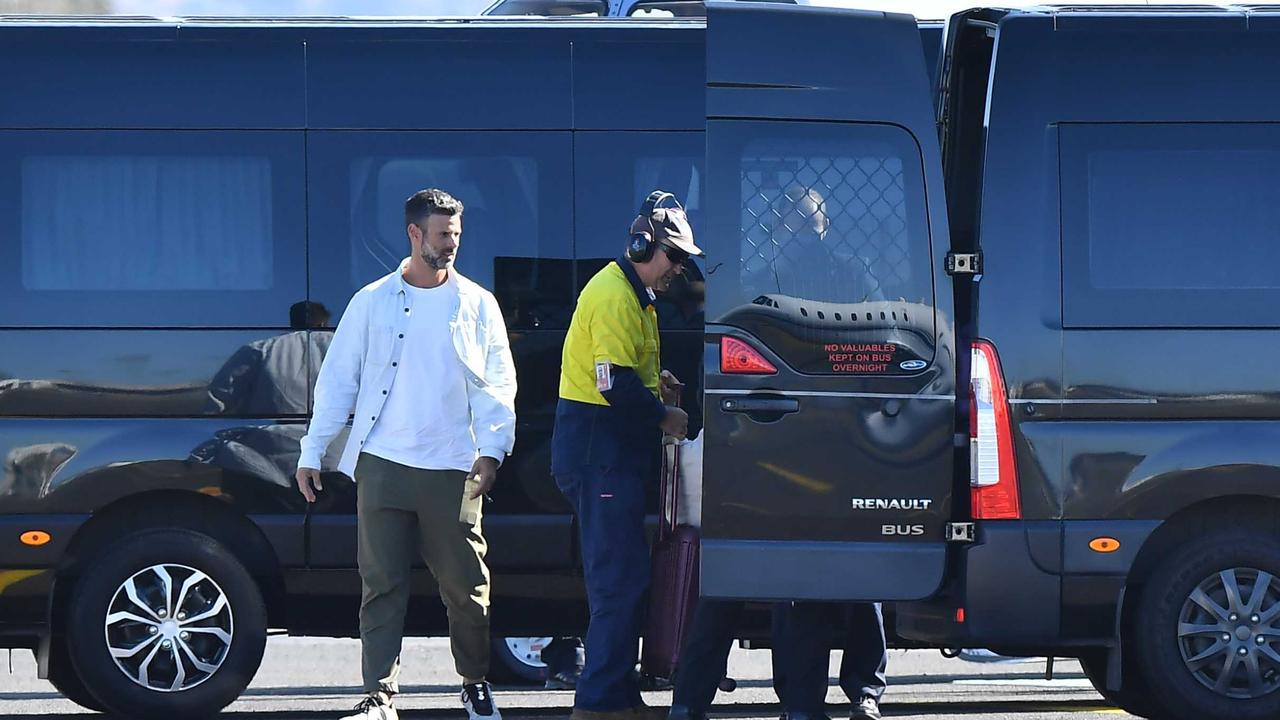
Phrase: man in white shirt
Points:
(421, 356)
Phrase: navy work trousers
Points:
(705, 656)
(802, 637)
(804, 633)
(609, 504)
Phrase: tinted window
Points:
(1170, 224)
(152, 223)
(151, 228)
(833, 214)
(516, 237)
(615, 171)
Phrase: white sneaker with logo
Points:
(477, 698)
(373, 707)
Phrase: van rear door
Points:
(830, 365)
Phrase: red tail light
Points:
(993, 477)
(739, 358)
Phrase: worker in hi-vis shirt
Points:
(615, 403)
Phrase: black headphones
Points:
(641, 246)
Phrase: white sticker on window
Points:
(604, 376)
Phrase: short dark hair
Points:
(307, 314)
(432, 201)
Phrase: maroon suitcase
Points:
(674, 590)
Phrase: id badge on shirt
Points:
(604, 376)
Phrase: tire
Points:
(214, 626)
(63, 676)
(518, 660)
(1133, 697)
(1185, 612)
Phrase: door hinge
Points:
(964, 263)
(961, 532)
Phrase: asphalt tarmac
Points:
(314, 679)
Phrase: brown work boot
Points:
(625, 714)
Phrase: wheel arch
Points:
(1196, 519)
(181, 509)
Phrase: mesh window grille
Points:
(826, 228)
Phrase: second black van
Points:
(1008, 365)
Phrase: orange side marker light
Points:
(35, 538)
(1104, 545)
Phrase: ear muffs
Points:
(640, 249)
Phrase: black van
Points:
(186, 208)
(1008, 365)
(1000, 363)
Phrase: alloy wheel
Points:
(1229, 635)
(169, 627)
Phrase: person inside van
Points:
(422, 357)
(791, 250)
(787, 250)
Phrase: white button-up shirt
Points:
(365, 355)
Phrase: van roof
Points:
(337, 21)
(524, 21)
(1143, 17)
(1198, 9)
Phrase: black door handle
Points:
(780, 406)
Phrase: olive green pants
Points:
(404, 513)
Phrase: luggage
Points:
(689, 511)
(674, 589)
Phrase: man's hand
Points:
(675, 423)
(485, 471)
(669, 388)
(307, 477)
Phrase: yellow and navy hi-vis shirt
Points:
(615, 324)
(609, 409)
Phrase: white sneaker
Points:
(477, 698)
(373, 707)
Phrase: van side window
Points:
(826, 213)
(516, 236)
(115, 223)
(1170, 225)
(614, 172)
(173, 228)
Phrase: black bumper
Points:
(1032, 585)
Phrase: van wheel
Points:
(63, 677)
(1207, 629)
(166, 623)
(1133, 697)
(518, 660)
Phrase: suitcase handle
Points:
(670, 490)
(669, 484)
